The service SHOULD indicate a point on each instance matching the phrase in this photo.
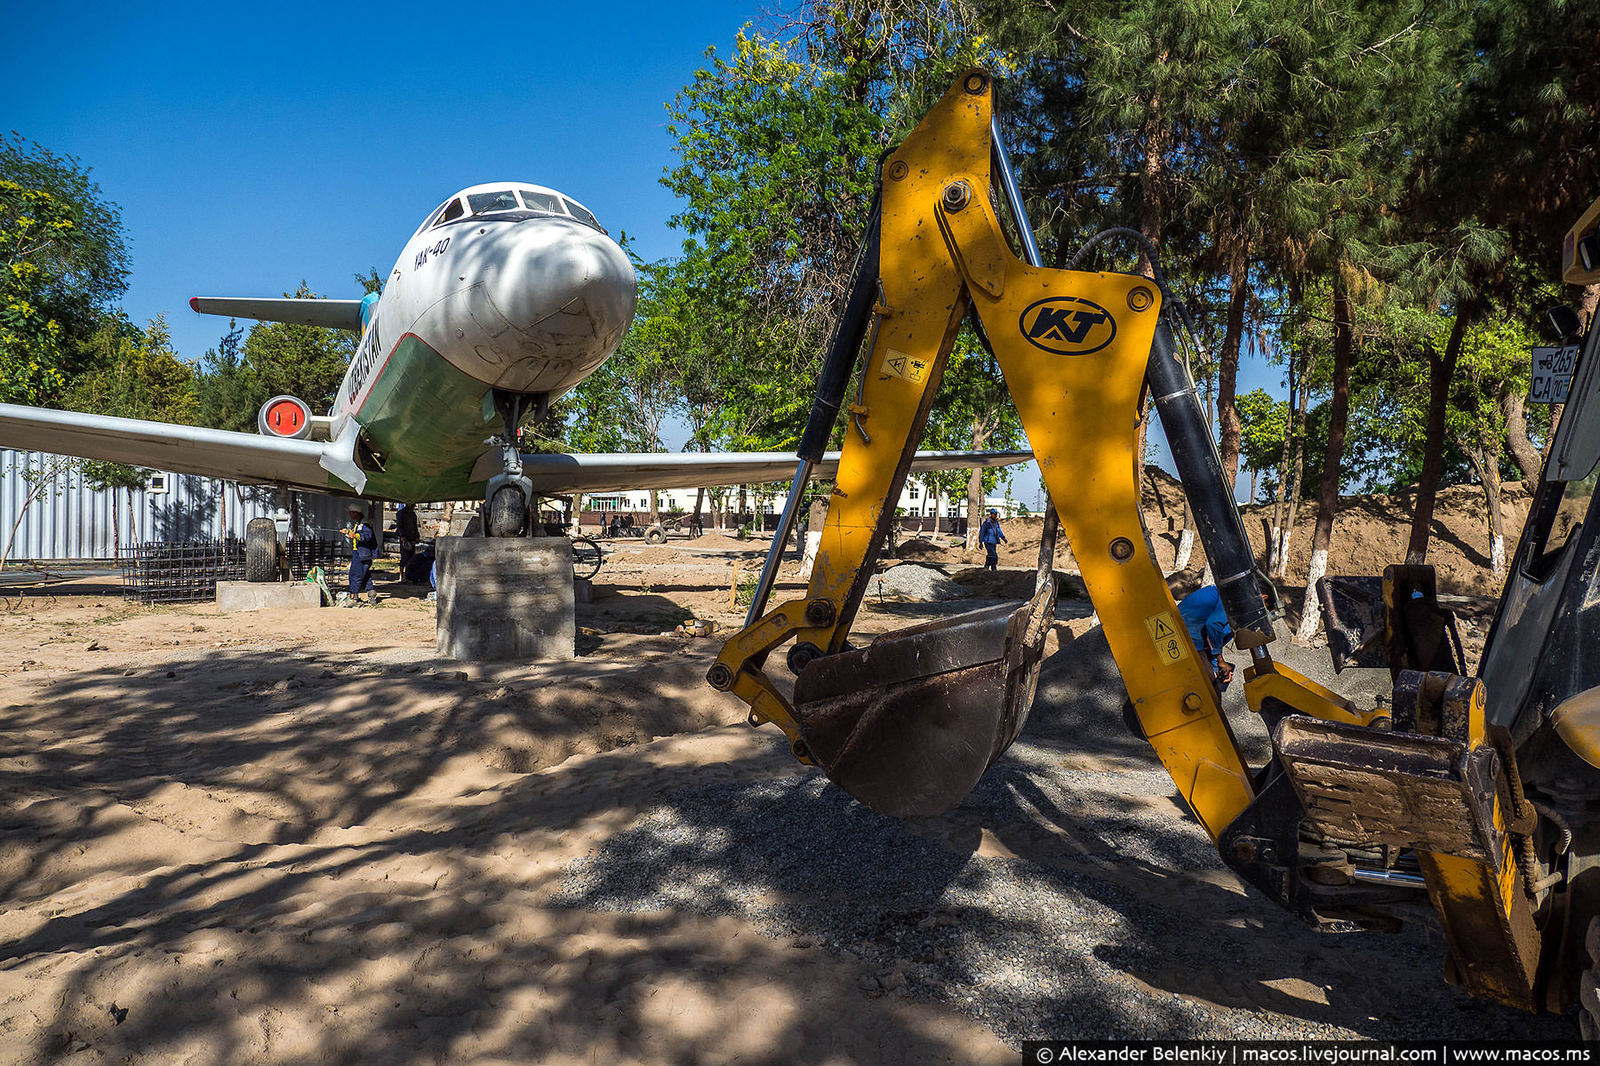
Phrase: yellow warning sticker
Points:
(1172, 643)
(900, 365)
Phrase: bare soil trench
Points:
(302, 837)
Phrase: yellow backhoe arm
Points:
(909, 723)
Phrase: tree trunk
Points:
(577, 514)
(699, 501)
(1252, 498)
(980, 440)
(1333, 459)
(1150, 177)
(655, 507)
(1228, 424)
(116, 532)
(1486, 464)
(1180, 560)
(1441, 371)
(1280, 504)
(1294, 465)
(1555, 421)
(1513, 405)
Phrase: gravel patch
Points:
(1068, 896)
(914, 581)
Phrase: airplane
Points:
(506, 297)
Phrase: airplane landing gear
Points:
(507, 514)
(508, 499)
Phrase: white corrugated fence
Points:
(70, 520)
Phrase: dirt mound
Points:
(1369, 533)
(920, 549)
(1015, 584)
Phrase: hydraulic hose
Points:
(1216, 517)
(844, 348)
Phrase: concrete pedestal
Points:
(505, 598)
(266, 595)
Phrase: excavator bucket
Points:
(909, 723)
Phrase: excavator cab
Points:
(1477, 793)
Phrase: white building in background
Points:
(47, 511)
(917, 500)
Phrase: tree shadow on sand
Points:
(285, 857)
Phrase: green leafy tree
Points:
(304, 361)
(972, 410)
(226, 390)
(1263, 422)
(63, 265)
(136, 374)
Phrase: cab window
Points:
(542, 201)
(582, 214)
(450, 212)
(499, 200)
(1557, 522)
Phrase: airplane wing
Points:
(330, 466)
(334, 314)
(610, 472)
(181, 449)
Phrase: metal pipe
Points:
(1363, 875)
(1008, 187)
(769, 572)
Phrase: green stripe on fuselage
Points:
(426, 419)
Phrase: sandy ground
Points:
(302, 838)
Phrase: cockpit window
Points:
(450, 212)
(499, 200)
(582, 214)
(542, 201)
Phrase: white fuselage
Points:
(514, 285)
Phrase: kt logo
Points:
(1067, 325)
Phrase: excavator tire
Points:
(261, 550)
(1589, 984)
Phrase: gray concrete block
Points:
(266, 595)
(506, 598)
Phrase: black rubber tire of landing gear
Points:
(507, 514)
(261, 550)
(586, 558)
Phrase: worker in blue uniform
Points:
(1208, 627)
(363, 548)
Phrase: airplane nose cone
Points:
(567, 291)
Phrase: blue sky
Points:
(252, 147)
